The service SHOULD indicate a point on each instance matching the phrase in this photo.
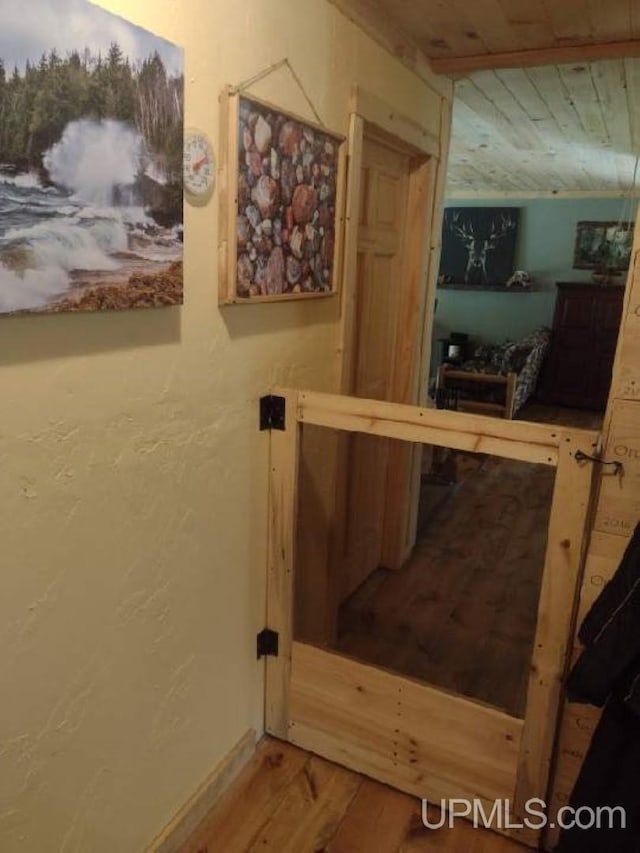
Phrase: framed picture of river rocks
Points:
(281, 198)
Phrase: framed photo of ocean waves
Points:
(91, 142)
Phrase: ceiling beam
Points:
(453, 194)
(456, 66)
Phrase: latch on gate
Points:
(272, 412)
(581, 456)
(267, 643)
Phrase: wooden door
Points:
(381, 233)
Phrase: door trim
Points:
(541, 443)
(371, 115)
(413, 137)
(374, 117)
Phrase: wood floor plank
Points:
(461, 614)
(461, 838)
(235, 822)
(377, 821)
(290, 801)
(310, 813)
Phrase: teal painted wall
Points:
(545, 249)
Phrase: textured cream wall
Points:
(133, 484)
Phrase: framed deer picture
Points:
(479, 245)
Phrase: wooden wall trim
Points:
(379, 26)
(457, 66)
(618, 504)
(227, 179)
(524, 193)
(618, 507)
(434, 247)
(617, 513)
(375, 110)
(404, 468)
(350, 254)
(626, 368)
(178, 831)
(579, 721)
(283, 506)
(431, 266)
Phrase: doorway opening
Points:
(536, 241)
(432, 566)
(461, 612)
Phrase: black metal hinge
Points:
(267, 643)
(272, 412)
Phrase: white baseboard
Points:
(181, 827)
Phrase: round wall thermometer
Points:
(199, 168)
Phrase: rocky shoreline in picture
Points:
(140, 290)
(287, 184)
(63, 252)
(91, 197)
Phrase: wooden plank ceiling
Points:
(525, 121)
(455, 28)
(549, 129)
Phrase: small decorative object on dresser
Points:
(520, 279)
(583, 344)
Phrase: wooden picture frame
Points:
(281, 206)
(603, 246)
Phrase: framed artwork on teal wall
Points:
(479, 245)
(603, 246)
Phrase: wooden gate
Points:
(419, 739)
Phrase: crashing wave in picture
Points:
(90, 163)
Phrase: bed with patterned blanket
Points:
(499, 379)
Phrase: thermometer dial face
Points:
(199, 166)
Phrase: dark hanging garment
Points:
(608, 673)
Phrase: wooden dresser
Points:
(583, 344)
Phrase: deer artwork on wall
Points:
(480, 241)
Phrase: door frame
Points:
(392, 727)
(373, 117)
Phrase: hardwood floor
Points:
(289, 801)
(561, 415)
(461, 614)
